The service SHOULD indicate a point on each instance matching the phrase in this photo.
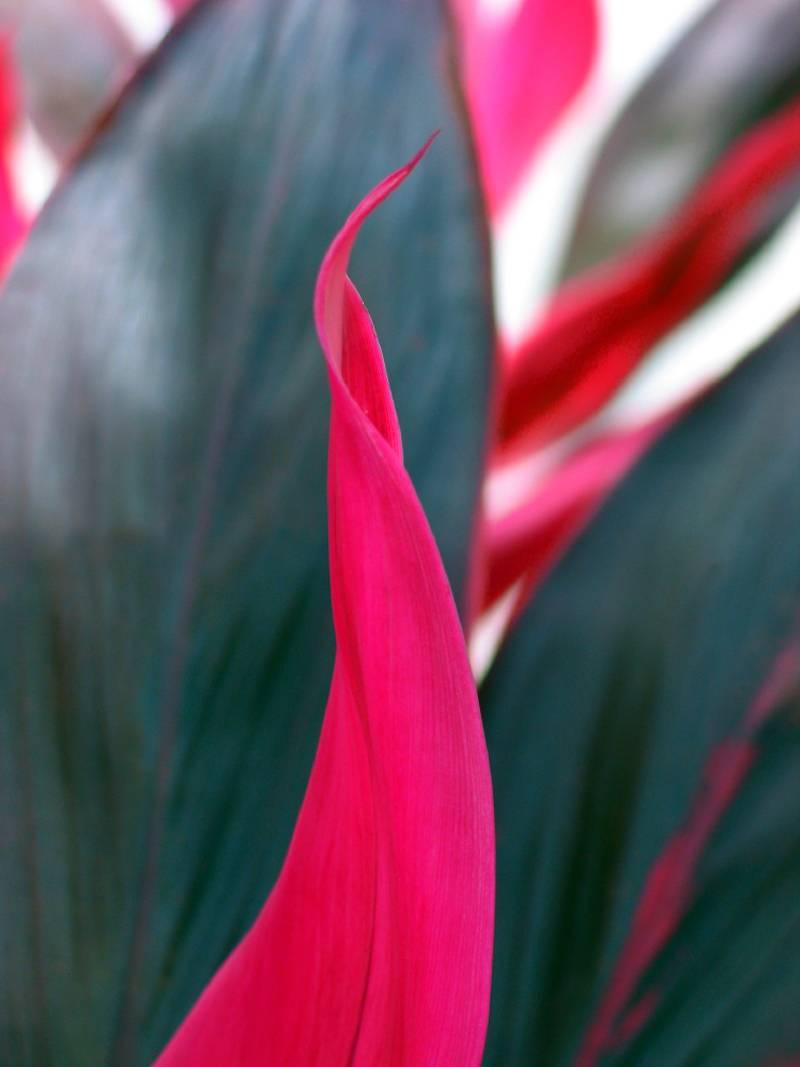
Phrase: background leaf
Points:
(165, 635)
(735, 66)
(70, 56)
(642, 724)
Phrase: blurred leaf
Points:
(736, 65)
(71, 56)
(600, 326)
(523, 64)
(12, 219)
(644, 731)
(166, 636)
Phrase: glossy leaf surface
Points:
(642, 723)
(167, 643)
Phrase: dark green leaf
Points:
(165, 636)
(644, 735)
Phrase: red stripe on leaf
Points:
(669, 886)
(600, 326)
(521, 69)
(375, 944)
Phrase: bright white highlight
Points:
(501, 10)
(489, 630)
(34, 169)
(144, 21)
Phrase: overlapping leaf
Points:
(561, 445)
(166, 634)
(643, 733)
(375, 945)
(732, 68)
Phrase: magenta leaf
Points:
(166, 641)
(521, 68)
(375, 945)
(13, 219)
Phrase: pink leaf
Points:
(375, 945)
(522, 66)
(13, 223)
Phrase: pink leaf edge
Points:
(375, 944)
(13, 223)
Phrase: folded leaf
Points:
(375, 945)
(166, 644)
(643, 729)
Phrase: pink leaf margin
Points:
(375, 945)
(13, 220)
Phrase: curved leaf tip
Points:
(375, 944)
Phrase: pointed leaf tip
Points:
(375, 944)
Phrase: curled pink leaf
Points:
(375, 945)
